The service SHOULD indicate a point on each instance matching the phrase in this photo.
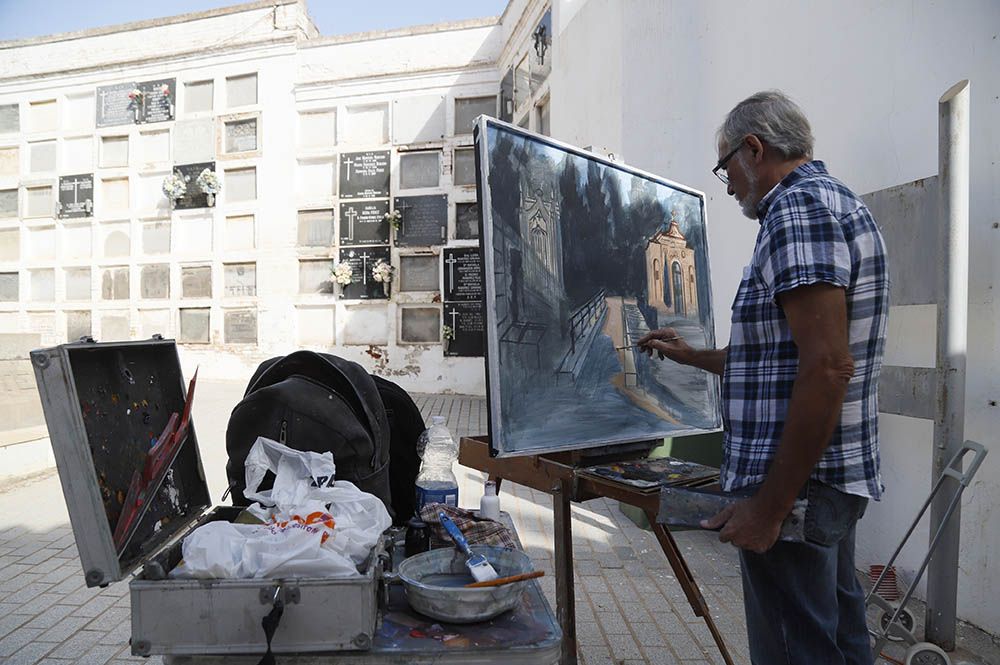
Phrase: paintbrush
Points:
(477, 564)
(633, 346)
(506, 580)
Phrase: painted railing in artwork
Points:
(585, 316)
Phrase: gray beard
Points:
(748, 204)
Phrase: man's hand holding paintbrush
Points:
(667, 344)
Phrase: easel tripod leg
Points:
(562, 523)
(688, 583)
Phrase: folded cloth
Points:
(477, 530)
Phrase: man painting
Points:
(799, 386)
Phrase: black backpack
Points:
(320, 402)
(405, 427)
(315, 402)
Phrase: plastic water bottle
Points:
(436, 482)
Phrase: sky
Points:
(20, 19)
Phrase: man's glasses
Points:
(720, 169)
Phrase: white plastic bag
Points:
(299, 474)
(313, 526)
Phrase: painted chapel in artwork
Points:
(670, 269)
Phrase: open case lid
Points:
(104, 405)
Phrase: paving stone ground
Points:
(629, 607)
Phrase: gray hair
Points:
(775, 119)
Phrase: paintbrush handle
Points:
(506, 580)
(455, 533)
(632, 346)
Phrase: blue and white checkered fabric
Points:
(813, 229)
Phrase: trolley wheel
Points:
(925, 653)
(904, 620)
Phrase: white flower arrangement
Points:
(395, 218)
(382, 272)
(165, 90)
(343, 274)
(208, 182)
(447, 332)
(174, 186)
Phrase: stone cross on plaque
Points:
(75, 182)
(451, 261)
(364, 266)
(351, 214)
(454, 315)
(348, 162)
(402, 207)
(104, 101)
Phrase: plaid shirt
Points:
(813, 229)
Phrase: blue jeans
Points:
(803, 602)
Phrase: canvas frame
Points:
(499, 445)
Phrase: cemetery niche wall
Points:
(582, 257)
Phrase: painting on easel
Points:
(582, 257)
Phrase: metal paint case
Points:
(104, 404)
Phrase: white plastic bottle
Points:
(489, 505)
(436, 482)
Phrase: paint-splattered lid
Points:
(105, 406)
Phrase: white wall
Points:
(587, 81)
(868, 75)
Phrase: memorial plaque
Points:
(419, 273)
(196, 282)
(194, 140)
(241, 135)
(364, 223)
(419, 170)
(315, 228)
(239, 280)
(115, 284)
(362, 260)
(10, 122)
(156, 237)
(157, 103)
(114, 106)
(193, 197)
(240, 326)
(78, 286)
(364, 175)
(424, 222)
(195, 325)
(464, 169)
(43, 285)
(420, 325)
(154, 281)
(77, 326)
(468, 109)
(314, 276)
(115, 327)
(467, 324)
(8, 203)
(76, 196)
(467, 221)
(9, 287)
(463, 274)
(39, 203)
